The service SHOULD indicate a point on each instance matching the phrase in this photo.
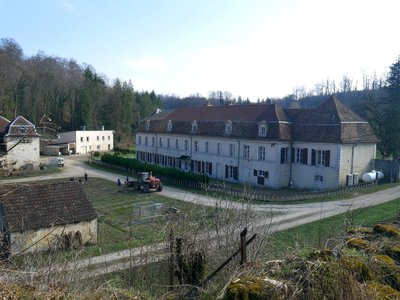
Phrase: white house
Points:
(259, 144)
(87, 141)
(19, 144)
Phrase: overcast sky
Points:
(253, 48)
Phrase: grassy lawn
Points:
(130, 219)
(24, 174)
(326, 232)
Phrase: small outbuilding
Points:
(37, 217)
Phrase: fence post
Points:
(243, 247)
(179, 258)
(171, 260)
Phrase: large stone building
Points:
(19, 144)
(36, 217)
(260, 144)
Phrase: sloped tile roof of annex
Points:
(332, 121)
(33, 206)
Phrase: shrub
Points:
(132, 164)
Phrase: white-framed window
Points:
(153, 141)
(228, 127)
(169, 126)
(98, 138)
(98, 147)
(168, 143)
(284, 155)
(246, 151)
(206, 147)
(194, 126)
(231, 172)
(160, 142)
(261, 153)
(81, 138)
(87, 139)
(146, 141)
(186, 145)
(320, 158)
(139, 140)
(102, 138)
(109, 138)
(319, 178)
(219, 148)
(262, 129)
(196, 146)
(298, 154)
(231, 149)
(176, 144)
(147, 125)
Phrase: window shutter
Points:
(282, 155)
(255, 173)
(292, 154)
(235, 173)
(192, 165)
(266, 174)
(210, 168)
(313, 156)
(202, 167)
(304, 159)
(327, 158)
(226, 171)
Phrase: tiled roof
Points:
(19, 123)
(3, 124)
(33, 206)
(331, 122)
(239, 113)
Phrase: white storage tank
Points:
(372, 176)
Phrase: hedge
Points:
(137, 166)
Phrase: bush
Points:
(162, 172)
(124, 150)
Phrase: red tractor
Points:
(146, 183)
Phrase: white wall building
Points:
(87, 141)
(263, 145)
(19, 144)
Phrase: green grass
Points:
(325, 232)
(121, 227)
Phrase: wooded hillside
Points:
(66, 95)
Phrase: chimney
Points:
(102, 127)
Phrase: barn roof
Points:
(34, 206)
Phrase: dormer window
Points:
(194, 127)
(262, 129)
(147, 125)
(169, 126)
(23, 129)
(228, 127)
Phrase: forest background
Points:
(67, 96)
